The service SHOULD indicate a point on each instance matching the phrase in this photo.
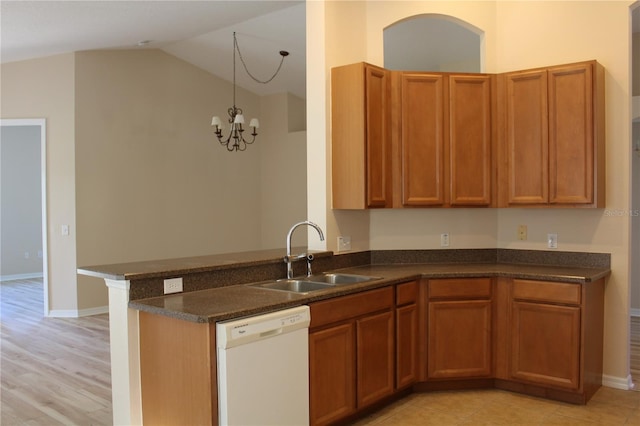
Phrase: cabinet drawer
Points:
(546, 291)
(349, 307)
(465, 288)
(406, 293)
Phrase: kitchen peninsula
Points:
(508, 290)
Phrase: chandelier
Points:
(236, 141)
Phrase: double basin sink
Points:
(314, 282)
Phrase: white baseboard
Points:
(94, 311)
(72, 313)
(624, 383)
(14, 277)
(635, 312)
(63, 313)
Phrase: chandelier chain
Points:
(257, 80)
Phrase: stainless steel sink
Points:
(294, 285)
(341, 278)
(313, 283)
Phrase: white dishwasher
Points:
(263, 369)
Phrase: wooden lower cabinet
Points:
(459, 328)
(406, 334)
(332, 373)
(375, 349)
(459, 339)
(351, 354)
(536, 337)
(545, 344)
(555, 338)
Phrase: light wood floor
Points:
(56, 371)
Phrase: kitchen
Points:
(590, 231)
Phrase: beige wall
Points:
(636, 64)
(132, 155)
(153, 182)
(44, 88)
(514, 39)
(283, 168)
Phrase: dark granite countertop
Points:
(217, 304)
(189, 265)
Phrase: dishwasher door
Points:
(263, 369)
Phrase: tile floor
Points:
(496, 407)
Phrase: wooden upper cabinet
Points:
(378, 140)
(527, 137)
(360, 133)
(554, 136)
(446, 139)
(470, 139)
(422, 140)
(428, 139)
(571, 138)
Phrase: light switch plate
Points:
(444, 240)
(552, 241)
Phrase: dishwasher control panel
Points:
(244, 330)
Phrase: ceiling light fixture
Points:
(236, 141)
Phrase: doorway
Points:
(24, 201)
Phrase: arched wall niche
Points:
(433, 42)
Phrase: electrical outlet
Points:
(522, 232)
(552, 241)
(26, 254)
(344, 243)
(444, 240)
(172, 285)
(64, 230)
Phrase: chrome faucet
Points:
(289, 259)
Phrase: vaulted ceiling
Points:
(199, 32)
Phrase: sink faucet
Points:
(289, 259)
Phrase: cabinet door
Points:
(378, 137)
(422, 140)
(459, 341)
(406, 345)
(545, 344)
(469, 136)
(527, 137)
(375, 361)
(360, 137)
(571, 137)
(331, 374)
